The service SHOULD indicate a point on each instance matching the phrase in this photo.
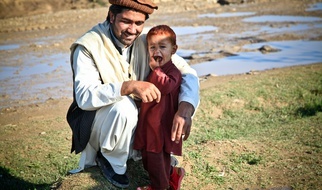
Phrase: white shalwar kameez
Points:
(116, 115)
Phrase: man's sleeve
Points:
(90, 93)
(190, 82)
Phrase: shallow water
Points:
(9, 46)
(292, 53)
(315, 7)
(37, 79)
(293, 28)
(42, 77)
(234, 14)
(32, 65)
(280, 18)
(188, 30)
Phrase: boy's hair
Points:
(163, 29)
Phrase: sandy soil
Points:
(62, 28)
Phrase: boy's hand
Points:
(154, 62)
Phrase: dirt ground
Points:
(63, 27)
(51, 33)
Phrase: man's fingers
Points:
(177, 128)
(146, 91)
(154, 94)
(186, 131)
(158, 96)
(174, 131)
(182, 122)
(151, 95)
(179, 133)
(148, 98)
(187, 127)
(180, 128)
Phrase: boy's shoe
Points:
(176, 178)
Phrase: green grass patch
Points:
(252, 131)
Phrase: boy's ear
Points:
(174, 49)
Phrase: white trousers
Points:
(112, 133)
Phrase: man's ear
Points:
(174, 49)
(112, 18)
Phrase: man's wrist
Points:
(186, 109)
(125, 88)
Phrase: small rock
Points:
(227, 53)
(252, 72)
(268, 49)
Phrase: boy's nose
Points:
(156, 53)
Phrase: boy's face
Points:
(160, 48)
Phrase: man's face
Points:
(127, 26)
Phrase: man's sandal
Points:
(144, 188)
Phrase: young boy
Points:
(153, 133)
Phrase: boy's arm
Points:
(165, 82)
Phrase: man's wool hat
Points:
(145, 6)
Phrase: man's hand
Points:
(146, 91)
(182, 122)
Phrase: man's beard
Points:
(128, 41)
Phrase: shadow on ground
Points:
(92, 179)
(7, 181)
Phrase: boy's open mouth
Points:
(157, 58)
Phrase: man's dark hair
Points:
(116, 9)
